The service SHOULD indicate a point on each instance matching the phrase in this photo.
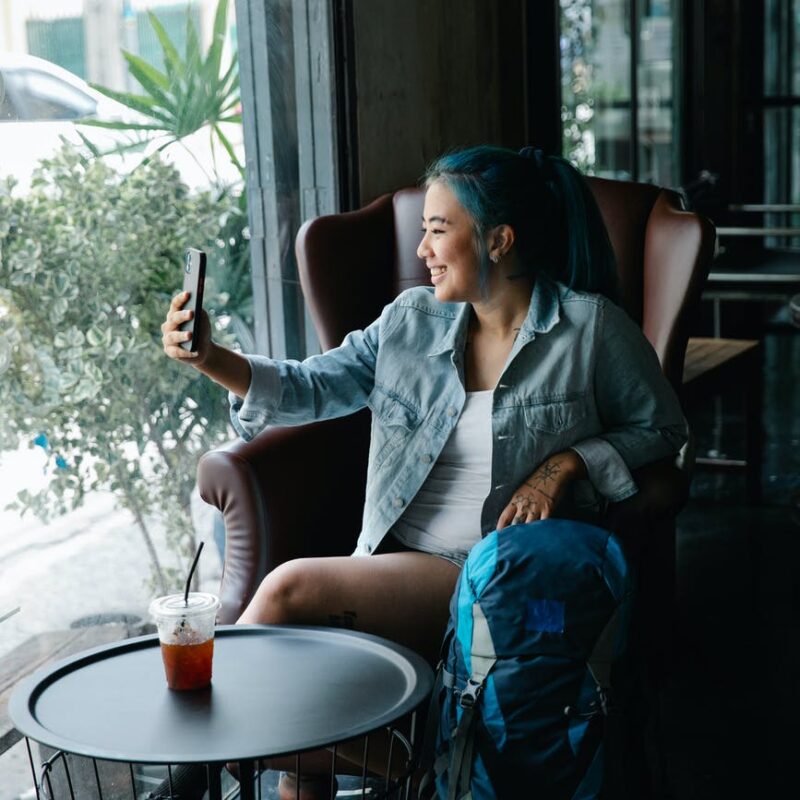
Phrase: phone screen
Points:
(194, 277)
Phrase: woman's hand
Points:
(172, 337)
(541, 492)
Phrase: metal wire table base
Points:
(54, 778)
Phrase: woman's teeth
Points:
(438, 270)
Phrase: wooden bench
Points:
(715, 367)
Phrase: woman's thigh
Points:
(401, 596)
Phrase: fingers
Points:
(174, 319)
(522, 510)
(173, 351)
(504, 518)
(178, 301)
(175, 337)
(172, 337)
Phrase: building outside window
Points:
(618, 84)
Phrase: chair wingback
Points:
(353, 264)
(344, 262)
(663, 256)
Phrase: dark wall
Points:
(431, 76)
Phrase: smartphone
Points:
(194, 277)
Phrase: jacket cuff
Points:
(606, 469)
(251, 413)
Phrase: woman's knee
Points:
(283, 596)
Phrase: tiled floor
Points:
(733, 712)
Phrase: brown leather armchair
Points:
(294, 492)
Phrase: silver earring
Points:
(495, 258)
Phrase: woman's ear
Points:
(501, 240)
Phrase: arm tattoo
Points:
(544, 475)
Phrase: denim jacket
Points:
(580, 375)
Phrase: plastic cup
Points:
(186, 632)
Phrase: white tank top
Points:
(445, 514)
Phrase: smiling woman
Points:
(497, 396)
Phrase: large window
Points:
(618, 84)
(100, 433)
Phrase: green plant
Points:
(88, 262)
(193, 92)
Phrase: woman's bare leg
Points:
(401, 596)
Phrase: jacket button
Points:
(398, 502)
(426, 458)
(368, 547)
(451, 412)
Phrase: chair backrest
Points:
(353, 264)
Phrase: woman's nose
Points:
(423, 249)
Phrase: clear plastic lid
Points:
(172, 605)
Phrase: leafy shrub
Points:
(89, 260)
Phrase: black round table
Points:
(276, 690)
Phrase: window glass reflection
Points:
(596, 77)
(657, 134)
(595, 74)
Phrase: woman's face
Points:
(448, 247)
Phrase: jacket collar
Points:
(543, 314)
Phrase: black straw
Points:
(191, 572)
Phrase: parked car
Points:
(40, 101)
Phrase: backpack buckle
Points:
(470, 695)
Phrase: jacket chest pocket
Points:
(393, 422)
(556, 417)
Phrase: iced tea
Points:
(186, 633)
(188, 666)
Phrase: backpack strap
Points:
(600, 663)
(604, 652)
(433, 769)
(482, 660)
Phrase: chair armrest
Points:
(645, 523)
(663, 491)
(288, 493)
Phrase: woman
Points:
(512, 390)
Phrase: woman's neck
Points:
(501, 316)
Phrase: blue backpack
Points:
(523, 701)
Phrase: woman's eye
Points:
(436, 231)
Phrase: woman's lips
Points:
(440, 277)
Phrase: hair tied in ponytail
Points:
(543, 163)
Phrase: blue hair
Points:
(559, 231)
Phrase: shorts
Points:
(391, 544)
